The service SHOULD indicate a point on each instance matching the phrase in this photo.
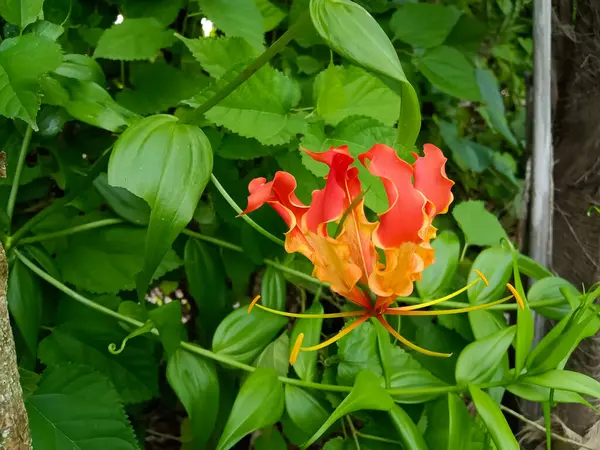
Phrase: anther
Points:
(251, 305)
(296, 348)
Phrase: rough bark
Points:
(14, 426)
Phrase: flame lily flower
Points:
(349, 262)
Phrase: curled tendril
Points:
(146, 328)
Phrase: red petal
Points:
(431, 179)
(329, 203)
(407, 215)
(278, 193)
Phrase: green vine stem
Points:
(73, 230)
(264, 58)
(238, 210)
(12, 198)
(192, 348)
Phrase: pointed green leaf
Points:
(273, 293)
(306, 362)
(305, 409)
(539, 394)
(478, 362)
(549, 289)
(134, 39)
(566, 380)
(123, 202)
(167, 320)
(259, 404)
(494, 420)
(77, 408)
(25, 302)
(21, 12)
(196, 383)
(272, 14)
(409, 433)
(424, 24)
(479, 226)
(168, 164)
(439, 275)
(275, 356)
(365, 395)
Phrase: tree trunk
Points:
(576, 133)
(14, 426)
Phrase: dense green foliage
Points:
(129, 150)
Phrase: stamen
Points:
(516, 294)
(306, 316)
(443, 299)
(482, 276)
(408, 343)
(296, 348)
(398, 312)
(338, 336)
(252, 303)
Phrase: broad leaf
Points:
(469, 155)
(123, 202)
(25, 302)
(219, 55)
(439, 275)
(341, 92)
(236, 147)
(358, 351)
(236, 18)
(207, 284)
(424, 24)
(353, 33)
(494, 420)
(20, 12)
(306, 362)
(548, 289)
(78, 408)
(365, 395)
(167, 320)
(260, 108)
(81, 67)
(195, 381)
(272, 14)
(134, 39)
(450, 71)
(107, 259)
(566, 380)
(160, 148)
(478, 362)
(23, 60)
(273, 290)
(535, 393)
(243, 336)
(305, 409)
(479, 225)
(275, 356)
(133, 372)
(259, 404)
(360, 134)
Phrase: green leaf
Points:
(236, 147)
(525, 325)
(25, 302)
(158, 87)
(77, 408)
(452, 427)
(260, 108)
(219, 55)
(365, 395)
(270, 440)
(341, 92)
(358, 351)
(46, 29)
(81, 67)
(490, 94)
(207, 284)
(469, 155)
(44, 259)
(237, 18)
(123, 202)
(160, 148)
(20, 12)
(565, 380)
(496, 265)
(479, 226)
(275, 356)
(478, 362)
(273, 290)
(272, 14)
(549, 289)
(165, 12)
(196, 383)
(107, 259)
(134, 39)
(494, 420)
(540, 394)
(355, 34)
(360, 134)
(424, 24)
(439, 275)
(409, 433)
(23, 60)
(450, 71)
(306, 362)
(243, 336)
(305, 409)
(167, 320)
(134, 372)
(259, 404)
